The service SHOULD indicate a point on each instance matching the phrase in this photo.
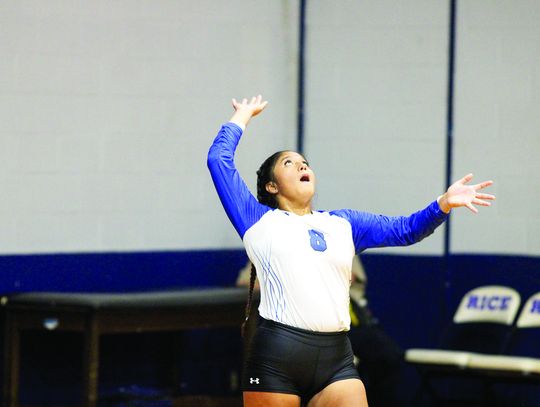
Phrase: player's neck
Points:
(296, 207)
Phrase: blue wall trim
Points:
(301, 76)
(119, 272)
(450, 111)
(394, 280)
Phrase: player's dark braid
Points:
(265, 174)
(252, 278)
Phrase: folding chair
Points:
(521, 360)
(481, 324)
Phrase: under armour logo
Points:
(252, 380)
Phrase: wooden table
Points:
(96, 314)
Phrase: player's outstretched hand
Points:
(461, 194)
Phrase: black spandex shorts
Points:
(283, 359)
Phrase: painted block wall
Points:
(107, 111)
(497, 126)
(376, 100)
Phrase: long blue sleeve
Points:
(371, 230)
(241, 206)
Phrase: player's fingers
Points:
(483, 185)
(472, 208)
(486, 196)
(466, 178)
(480, 202)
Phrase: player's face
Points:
(294, 179)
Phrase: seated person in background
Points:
(379, 357)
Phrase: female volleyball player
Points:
(303, 259)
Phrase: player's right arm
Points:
(241, 206)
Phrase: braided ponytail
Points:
(252, 278)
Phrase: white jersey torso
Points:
(304, 268)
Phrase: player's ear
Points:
(271, 188)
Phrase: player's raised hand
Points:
(246, 109)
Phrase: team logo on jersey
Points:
(316, 239)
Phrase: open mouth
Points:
(305, 178)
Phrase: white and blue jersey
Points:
(304, 262)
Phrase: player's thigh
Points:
(266, 399)
(343, 393)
